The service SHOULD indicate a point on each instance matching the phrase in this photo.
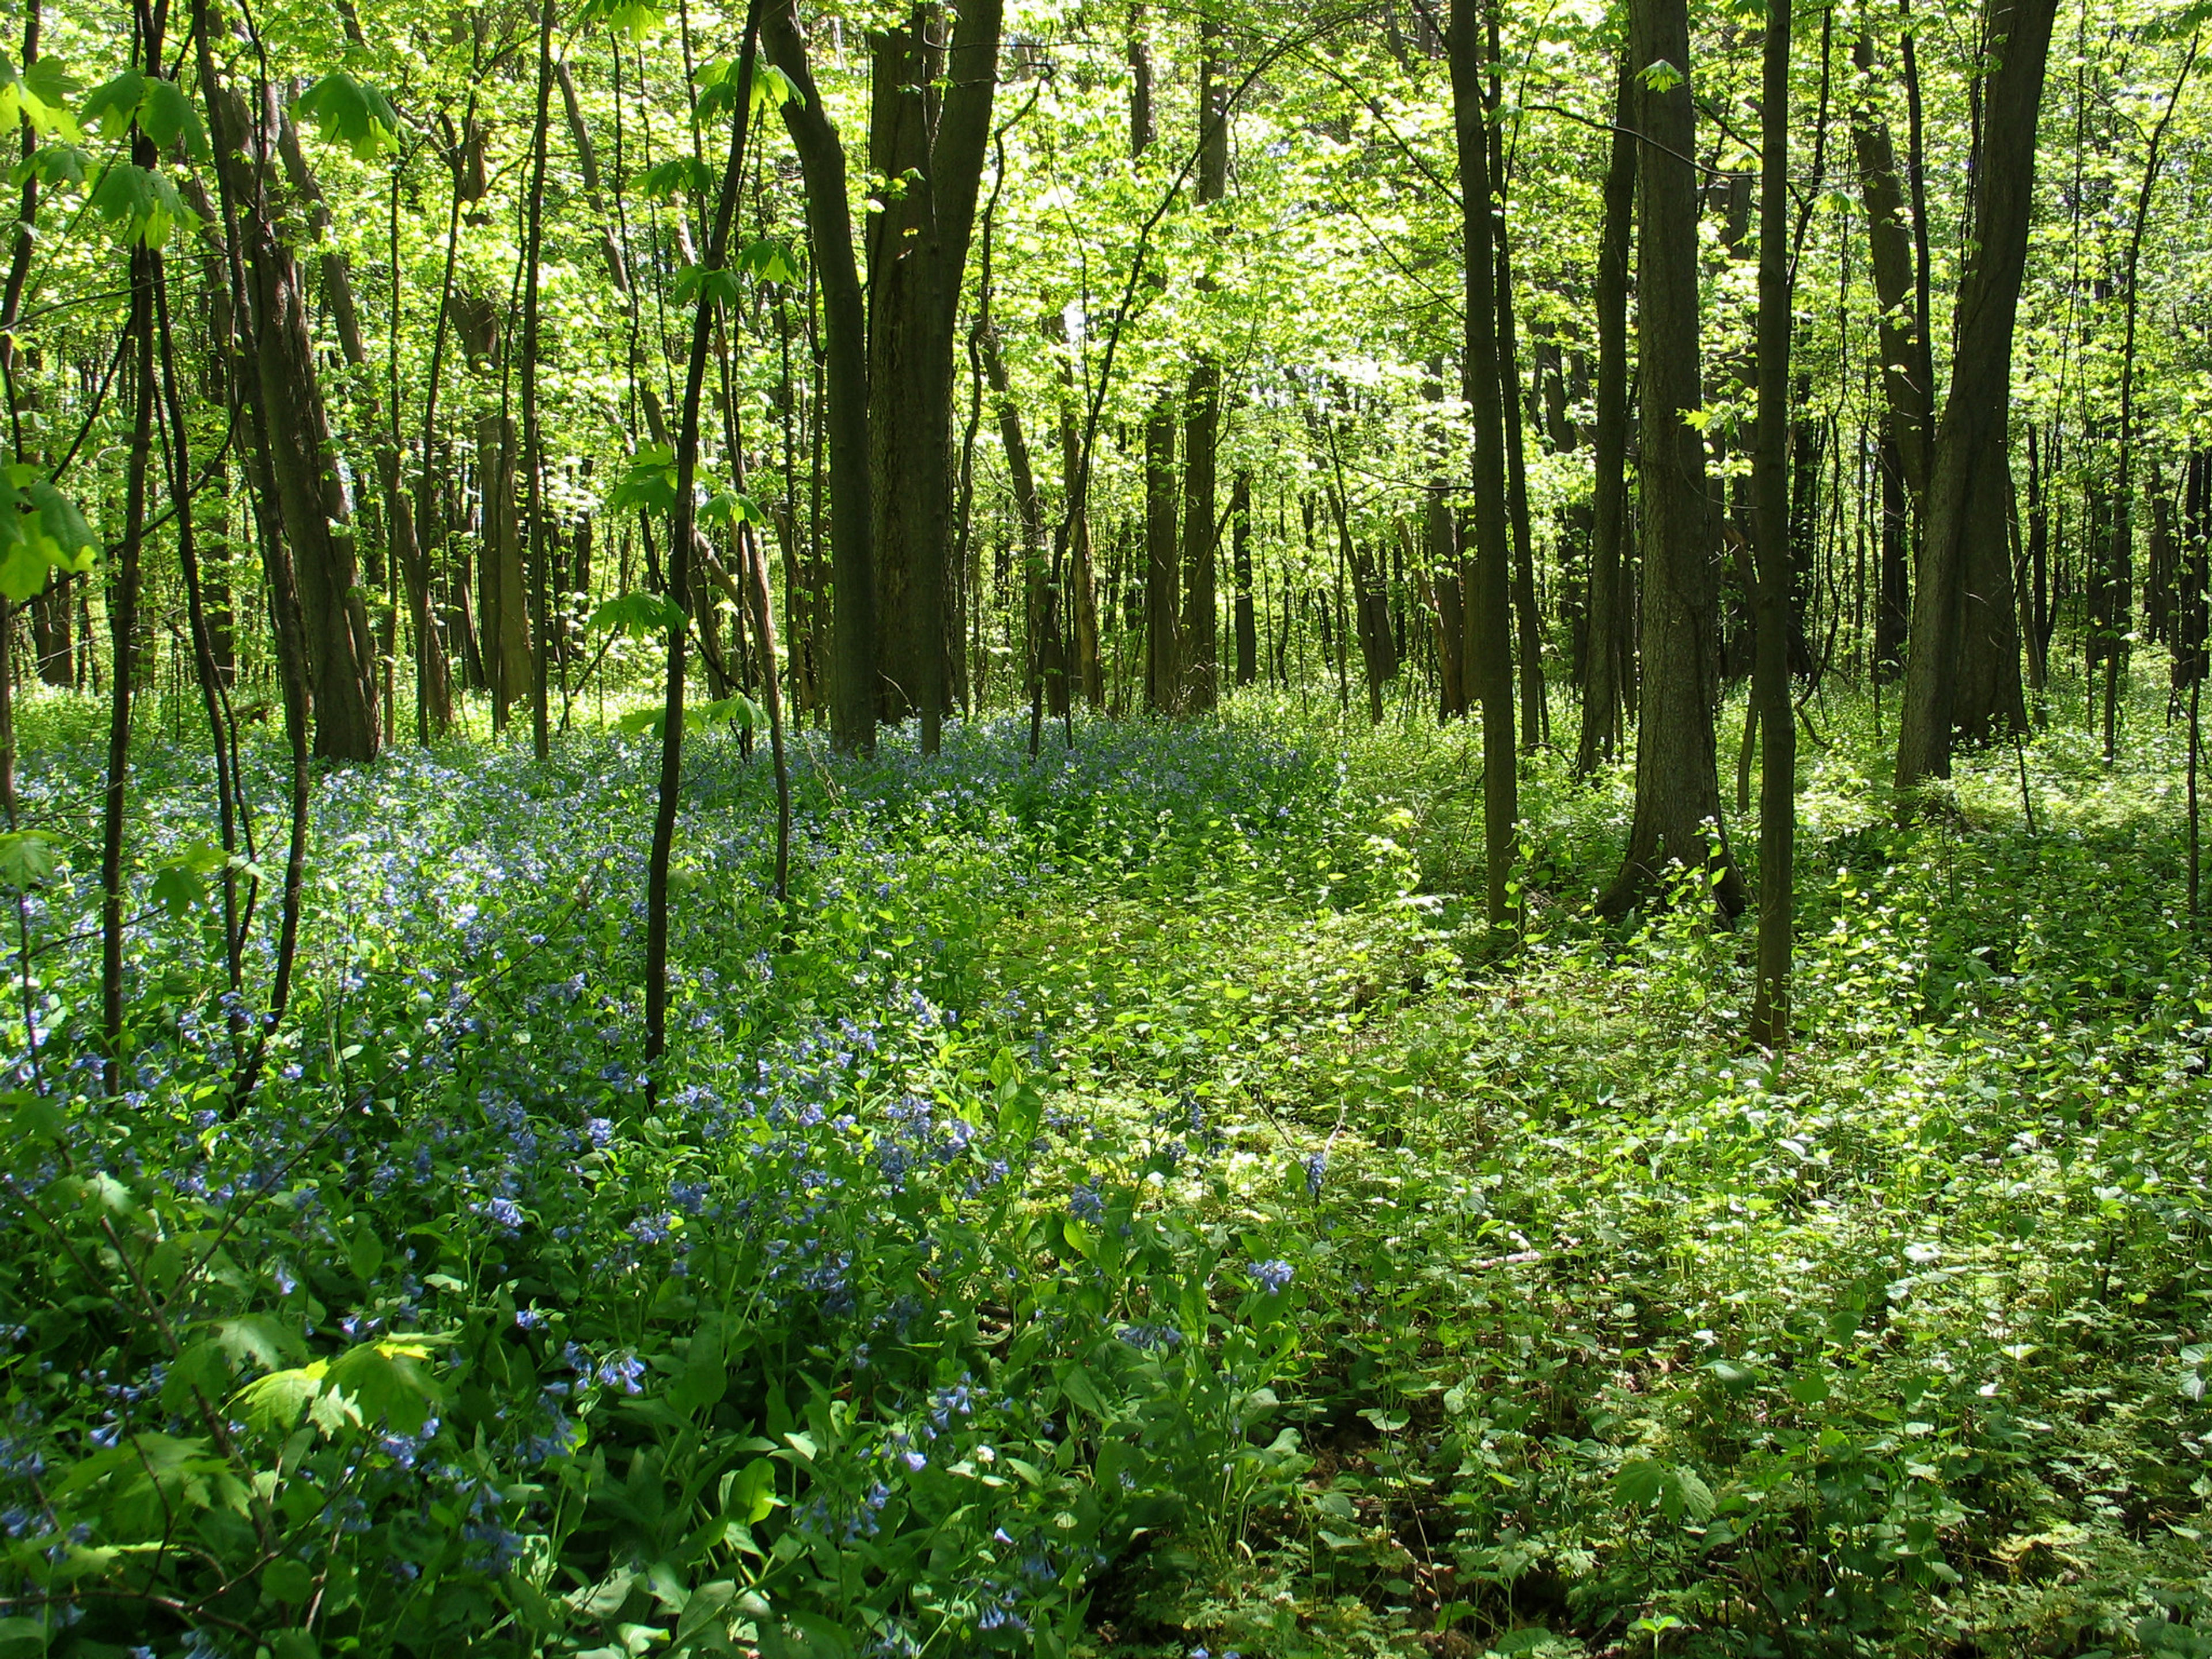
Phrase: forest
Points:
(1115, 829)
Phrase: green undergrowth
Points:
(1125, 1205)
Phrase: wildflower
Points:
(1272, 1277)
(1316, 1167)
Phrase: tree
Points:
(1677, 804)
(1486, 583)
(1962, 672)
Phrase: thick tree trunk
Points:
(845, 417)
(1677, 779)
(433, 675)
(1611, 605)
(1962, 674)
(917, 250)
(1486, 586)
(340, 647)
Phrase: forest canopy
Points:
(1105, 829)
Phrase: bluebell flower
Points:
(1272, 1277)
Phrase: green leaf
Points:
(167, 116)
(768, 260)
(40, 96)
(114, 105)
(737, 709)
(27, 860)
(273, 1403)
(178, 891)
(728, 506)
(351, 113)
(687, 175)
(389, 1382)
(772, 88)
(259, 1340)
(634, 18)
(705, 1378)
(54, 165)
(650, 482)
(638, 614)
(1808, 1387)
(1661, 75)
(1638, 1483)
(140, 206)
(696, 285)
(749, 1495)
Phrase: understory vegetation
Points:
(1122, 1206)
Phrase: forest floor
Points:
(1127, 1207)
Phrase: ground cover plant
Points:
(1123, 1205)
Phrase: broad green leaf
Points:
(139, 205)
(638, 614)
(114, 105)
(178, 891)
(350, 113)
(687, 175)
(54, 165)
(634, 18)
(167, 117)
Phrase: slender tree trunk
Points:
(1240, 531)
(1677, 777)
(2120, 561)
(1610, 598)
(1162, 657)
(123, 631)
(1778, 784)
(533, 439)
(1200, 646)
(683, 530)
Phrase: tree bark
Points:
(1771, 523)
(1610, 603)
(311, 502)
(1678, 804)
(1486, 588)
(917, 244)
(1962, 671)
(845, 417)
(1162, 655)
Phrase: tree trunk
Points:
(917, 250)
(1611, 604)
(1907, 387)
(1485, 588)
(340, 647)
(845, 416)
(1162, 656)
(1962, 672)
(1771, 525)
(1201, 645)
(1677, 777)
(1240, 531)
